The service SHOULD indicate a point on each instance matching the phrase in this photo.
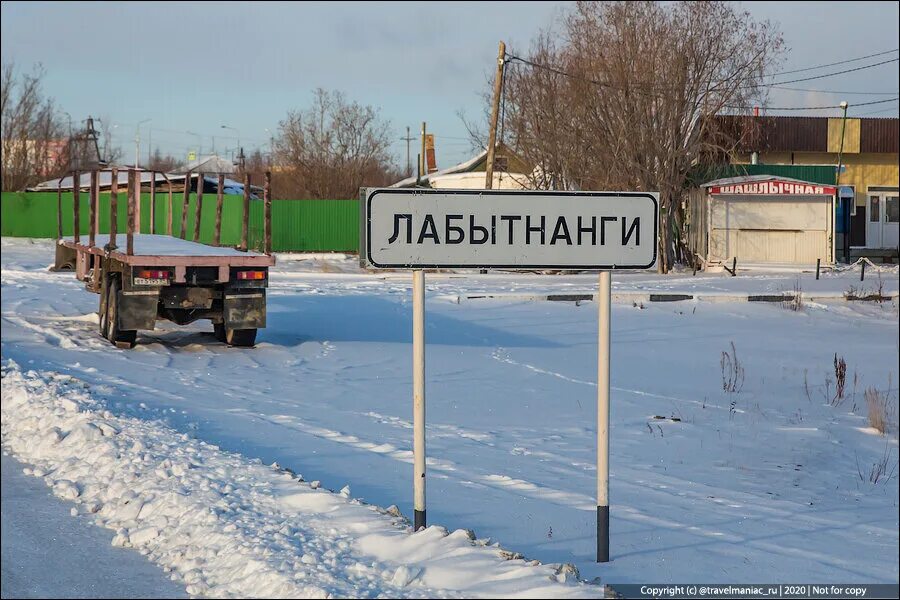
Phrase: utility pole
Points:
(495, 113)
(837, 185)
(408, 139)
(137, 144)
(422, 170)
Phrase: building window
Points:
(874, 212)
(892, 209)
(501, 164)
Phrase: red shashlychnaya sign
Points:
(780, 188)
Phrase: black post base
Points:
(419, 520)
(602, 534)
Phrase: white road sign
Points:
(415, 229)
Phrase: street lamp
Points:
(199, 142)
(137, 144)
(235, 129)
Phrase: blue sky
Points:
(196, 66)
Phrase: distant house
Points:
(867, 212)
(510, 172)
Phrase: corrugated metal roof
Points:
(804, 134)
(879, 135)
(752, 179)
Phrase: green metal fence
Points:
(297, 225)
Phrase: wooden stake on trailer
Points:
(184, 205)
(93, 202)
(76, 221)
(245, 217)
(113, 209)
(220, 193)
(97, 195)
(132, 196)
(267, 221)
(199, 208)
(171, 206)
(152, 201)
(59, 229)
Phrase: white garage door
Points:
(777, 229)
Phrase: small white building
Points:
(470, 175)
(764, 219)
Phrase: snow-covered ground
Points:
(763, 484)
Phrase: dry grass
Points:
(881, 410)
(732, 371)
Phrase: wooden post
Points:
(495, 113)
(267, 222)
(152, 201)
(97, 196)
(184, 206)
(818, 265)
(113, 208)
(59, 227)
(93, 202)
(862, 270)
(171, 206)
(198, 210)
(220, 192)
(132, 196)
(137, 201)
(245, 217)
(423, 168)
(76, 221)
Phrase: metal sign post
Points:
(419, 399)
(604, 304)
(420, 229)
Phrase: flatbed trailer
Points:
(165, 277)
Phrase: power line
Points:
(845, 92)
(877, 112)
(813, 107)
(878, 64)
(603, 84)
(842, 62)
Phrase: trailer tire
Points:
(219, 331)
(119, 338)
(104, 307)
(240, 337)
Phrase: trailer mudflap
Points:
(65, 258)
(245, 309)
(137, 309)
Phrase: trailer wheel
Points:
(240, 337)
(219, 331)
(104, 304)
(120, 338)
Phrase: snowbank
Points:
(227, 526)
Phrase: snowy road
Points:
(48, 554)
(763, 484)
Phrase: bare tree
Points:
(331, 149)
(623, 98)
(33, 142)
(160, 162)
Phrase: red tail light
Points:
(251, 275)
(150, 274)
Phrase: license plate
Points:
(143, 281)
